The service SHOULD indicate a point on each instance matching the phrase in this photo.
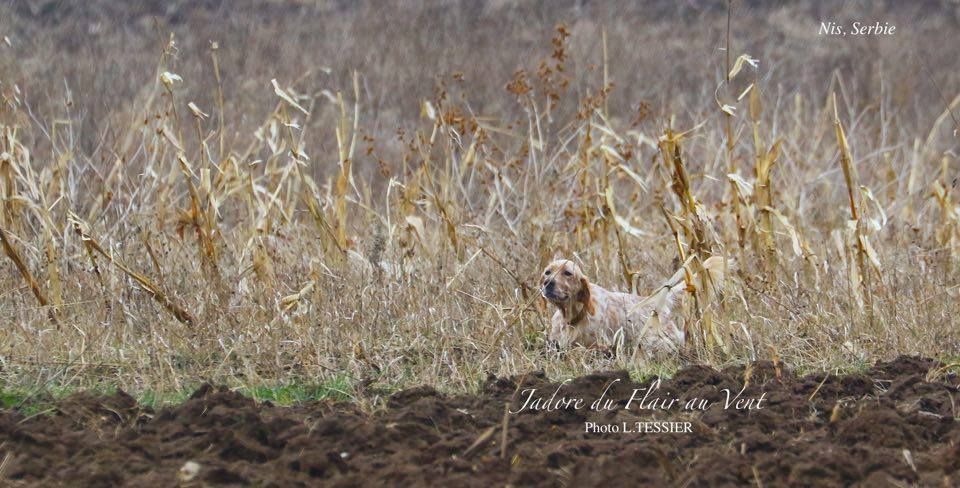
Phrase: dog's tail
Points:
(715, 272)
(710, 281)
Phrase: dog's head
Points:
(563, 284)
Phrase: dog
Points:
(591, 316)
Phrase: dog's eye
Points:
(567, 273)
(547, 273)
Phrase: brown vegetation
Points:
(383, 208)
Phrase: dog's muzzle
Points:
(550, 291)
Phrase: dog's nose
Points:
(549, 285)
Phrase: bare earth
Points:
(885, 426)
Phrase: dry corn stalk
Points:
(199, 219)
(691, 221)
(948, 233)
(179, 312)
(53, 269)
(345, 152)
(9, 188)
(23, 269)
(763, 198)
(850, 177)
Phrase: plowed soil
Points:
(893, 425)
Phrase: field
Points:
(341, 200)
(817, 430)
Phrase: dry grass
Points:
(382, 211)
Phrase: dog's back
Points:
(649, 322)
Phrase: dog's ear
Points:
(583, 296)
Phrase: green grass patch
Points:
(157, 399)
(30, 401)
(335, 389)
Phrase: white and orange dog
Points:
(591, 316)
